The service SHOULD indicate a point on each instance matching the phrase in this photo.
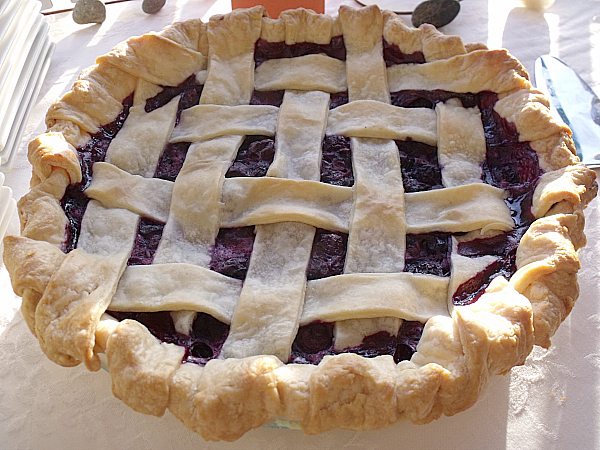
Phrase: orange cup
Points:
(274, 7)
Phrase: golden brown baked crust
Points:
(65, 296)
(141, 367)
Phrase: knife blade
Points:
(574, 102)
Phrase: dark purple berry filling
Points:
(514, 168)
(408, 339)
(203, 344)
(254, 157)
(520, 208)
(190, 96)
(74, 202)
(336, 161)
(275, 98)
(146, 242)
(498, 131)
(381, 343)
(420, 168)
(190, 89)
(207, 338)
(171, 161)
(272, 98)
(503, 245)
(95, 149)
(232, 250)
(393, 55)
(338, 99)
(428, 253)
(413, 98)
(265, 50)
(328, 254)
(470, 291)
(315, 340)
(499, 245)
(109, 131)
(160, 324)
(312, 343)
(510, 165)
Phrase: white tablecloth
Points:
(551, 402)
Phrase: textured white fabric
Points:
(552, 402)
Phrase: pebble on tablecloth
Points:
(89, 11)
(152, 6)
(94, 11)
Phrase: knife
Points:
(573, 101)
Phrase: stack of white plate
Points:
(25, 51)
(7, 205)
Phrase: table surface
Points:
(551, 402)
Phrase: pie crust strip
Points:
(177, 287)
(276, 278)
(377, 230)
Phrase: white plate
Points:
(15, 49)
(5, 196)
(15, 83)
(8, 205)
(32, 91)
(9, 12)
(4, 6)
(14, 54)
(16, 31)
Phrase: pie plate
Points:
(25, 94)
(330, 222)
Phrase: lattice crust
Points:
(66, 295)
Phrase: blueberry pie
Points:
(338, 222)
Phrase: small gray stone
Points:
(152, 6)
(436, 12)
(89, 11)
